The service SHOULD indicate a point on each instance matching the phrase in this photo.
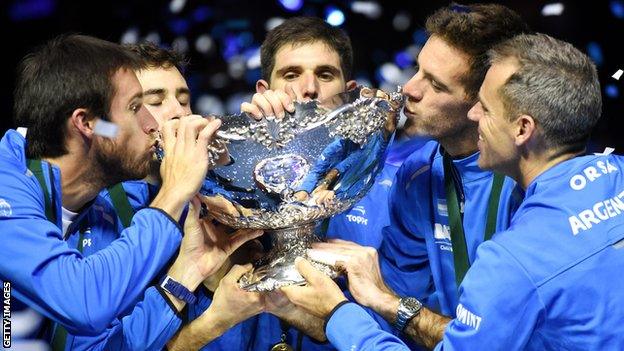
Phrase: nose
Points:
(413, 88)
(147, 122)
(309, 87)
(176, 110)
(476, 112)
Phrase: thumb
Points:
(242, 236)
(307, 271)
(193, 210)
(237, 271)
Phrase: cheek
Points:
(280, 84)
(447, 112)
(332, 88)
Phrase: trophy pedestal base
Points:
(277, 268)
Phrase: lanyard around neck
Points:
(49, 197)
(122, 206)
(119, 198)
(452, 181)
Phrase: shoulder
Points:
(419, 162)
(20, 193)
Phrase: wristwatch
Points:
(178, 290)
(409, 307)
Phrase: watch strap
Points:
(409, 307)
(178, 290)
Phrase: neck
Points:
(462, 144)
(79, 185)
(532, 165)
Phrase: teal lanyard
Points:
(49, 201)
(120, 203)
(452, 181)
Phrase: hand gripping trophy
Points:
(286, 175)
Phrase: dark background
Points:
(223, 37)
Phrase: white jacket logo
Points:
(468, 318)
(5, 208)
(358, 219)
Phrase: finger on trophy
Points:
(323, 197)
(301, 196)
(220, 205)
(326, 257)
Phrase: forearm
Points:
(307, 323)
(149, 326)
(169, 202)
(104, 284)
(386, 305)
(198, 333)
(186, 277)
(427, 328)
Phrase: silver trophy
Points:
(286, 175)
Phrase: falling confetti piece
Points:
(554, 9)
(105, 129)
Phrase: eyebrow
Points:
(158, 91)
(161, 91)
(431, 76)
(287, 69)
(329, 68)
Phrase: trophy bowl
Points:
(286, 175)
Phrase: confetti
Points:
(105, 129)
(554, 9)
(617, 74)
(607, 151)
(22, 131)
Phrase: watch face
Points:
(411, 304)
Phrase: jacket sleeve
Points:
(85, 294)
(494, 308)
(351, 328)
(149, 326)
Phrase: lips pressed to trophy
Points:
(287, 175)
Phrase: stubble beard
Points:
(116, 164)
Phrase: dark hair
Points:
(154, 56)
(306, 30)
(556, 84)
(474, 29)
(66, 73)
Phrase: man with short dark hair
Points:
(153, 320)
(303, 58)
(85, 128)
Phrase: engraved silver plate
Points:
(279, 173)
